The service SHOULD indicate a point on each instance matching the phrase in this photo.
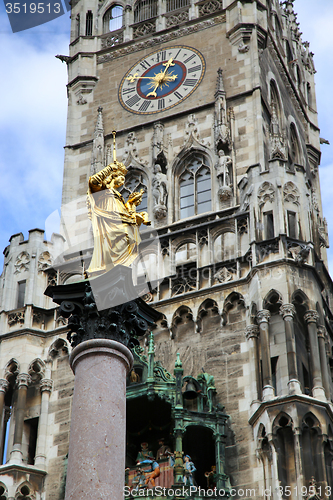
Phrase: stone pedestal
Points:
(105, 318)
(96, 460)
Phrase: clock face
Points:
(162, 80)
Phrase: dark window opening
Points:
(31, 427)
(306, 381)
(21, 294)
(292, 224)
(269, 225)
(308, 94)
(274, 362)
(89, 23)
(290, 57)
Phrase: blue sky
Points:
(34, 106)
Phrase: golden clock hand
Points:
(136, 77)
(167, 65)
(153, 93)
(162, 77)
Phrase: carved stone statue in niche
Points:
(223, 168)
(160, 192)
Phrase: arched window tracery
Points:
(113, 18)
(135, 181)
(195, 186)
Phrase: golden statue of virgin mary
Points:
(115, 223)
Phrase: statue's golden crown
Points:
(117, 166)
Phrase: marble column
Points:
(322, 334)
(268, 390)
(288, 312)
(23, 380)
(40, 458)
(311, 317)
(96, 460)
(252, 334)
(3, 389)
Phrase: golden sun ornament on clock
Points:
(162, 80)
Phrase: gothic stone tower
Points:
(227, 152)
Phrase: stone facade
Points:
(245, 292)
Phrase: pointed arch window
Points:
(113, 19)
(195, 186)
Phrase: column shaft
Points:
(252, 332)
(3, 388)
(263, 317)
(288, 311)
(323, 360)
(40, 458)
(23, 380)
(97, 462)
(311, 317)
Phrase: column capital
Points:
(321, 331)
(46, 385)
(263, 316)
(4, 384)
(251, 331)
(287, 310)
(311, 316)
(23, 379)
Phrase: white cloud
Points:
(32, 125)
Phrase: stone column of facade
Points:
(3, 389)
(23, 380)
(46, 388)
(268, 390)
(96, 464)
(252, 334)
(298, 458)
(288, 312)
(323, 359)
(311, 317)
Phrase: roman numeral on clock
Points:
(145, 64)
(161, 104)
(132, 101)
(189, 58)
(177, 94)
(195, 68)
(145, 105)
(161, 56)
(190, 82)
(129, 90)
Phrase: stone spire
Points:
(97, 157)
(221, 128)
